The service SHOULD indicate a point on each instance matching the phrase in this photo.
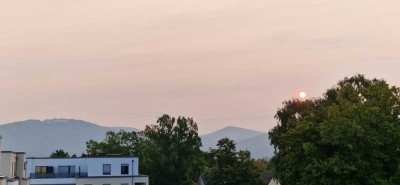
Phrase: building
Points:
(12, 168)
(3, 179)
(273, 182)
(110, 170)
(201, 180)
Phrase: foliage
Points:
(122, 142)
(59, 154)
(349, 136)
(261, 164)
(173, 155)
(229, 167)
(169, 152)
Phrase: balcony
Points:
(56, 175)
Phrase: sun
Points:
(302, 94)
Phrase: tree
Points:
(349, 136)
(59, 154)
(122, 142)
(229, 167)
(261, 164)
(173, 153)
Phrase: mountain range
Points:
(40, 138)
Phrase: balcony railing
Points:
(57, 175)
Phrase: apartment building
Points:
(110, 170)
(3, 180)
(12, 168)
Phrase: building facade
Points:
(112, 170)
(3, 180)
(12, 168)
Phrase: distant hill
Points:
(40, 138)
(254, 141)
(259, 146)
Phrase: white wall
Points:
(53, 181)
(112, 180)
(13, 183)
(8, 164)
(95, 166)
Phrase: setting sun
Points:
(302, 94)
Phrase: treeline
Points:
(169, 152)
(351, 135)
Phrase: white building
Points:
(273, 182)
(12, 168)
(3, 179)
(113, 170)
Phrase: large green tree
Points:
(230, 167)
(123, 143)
(173, 155)
(169, 152)
(349, 136)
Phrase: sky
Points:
(224, 63)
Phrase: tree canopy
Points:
(122, 142)
(230, 167)
(170, 154)
(169, 151)
(351, 135)
(174, 155)
(60, 154)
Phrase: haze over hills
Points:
(40, 138)
(254, 141)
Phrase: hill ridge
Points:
(41, 137)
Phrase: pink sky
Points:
(124, 63)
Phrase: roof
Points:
(13, 152)
(202, 179)
(100, 157)
(94, 177)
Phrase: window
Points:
(106, 169)
(44, 169)
(124, 184)
(124, 168)
(66, 169)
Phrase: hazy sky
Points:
(225, 62)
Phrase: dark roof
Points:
(13, 152)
